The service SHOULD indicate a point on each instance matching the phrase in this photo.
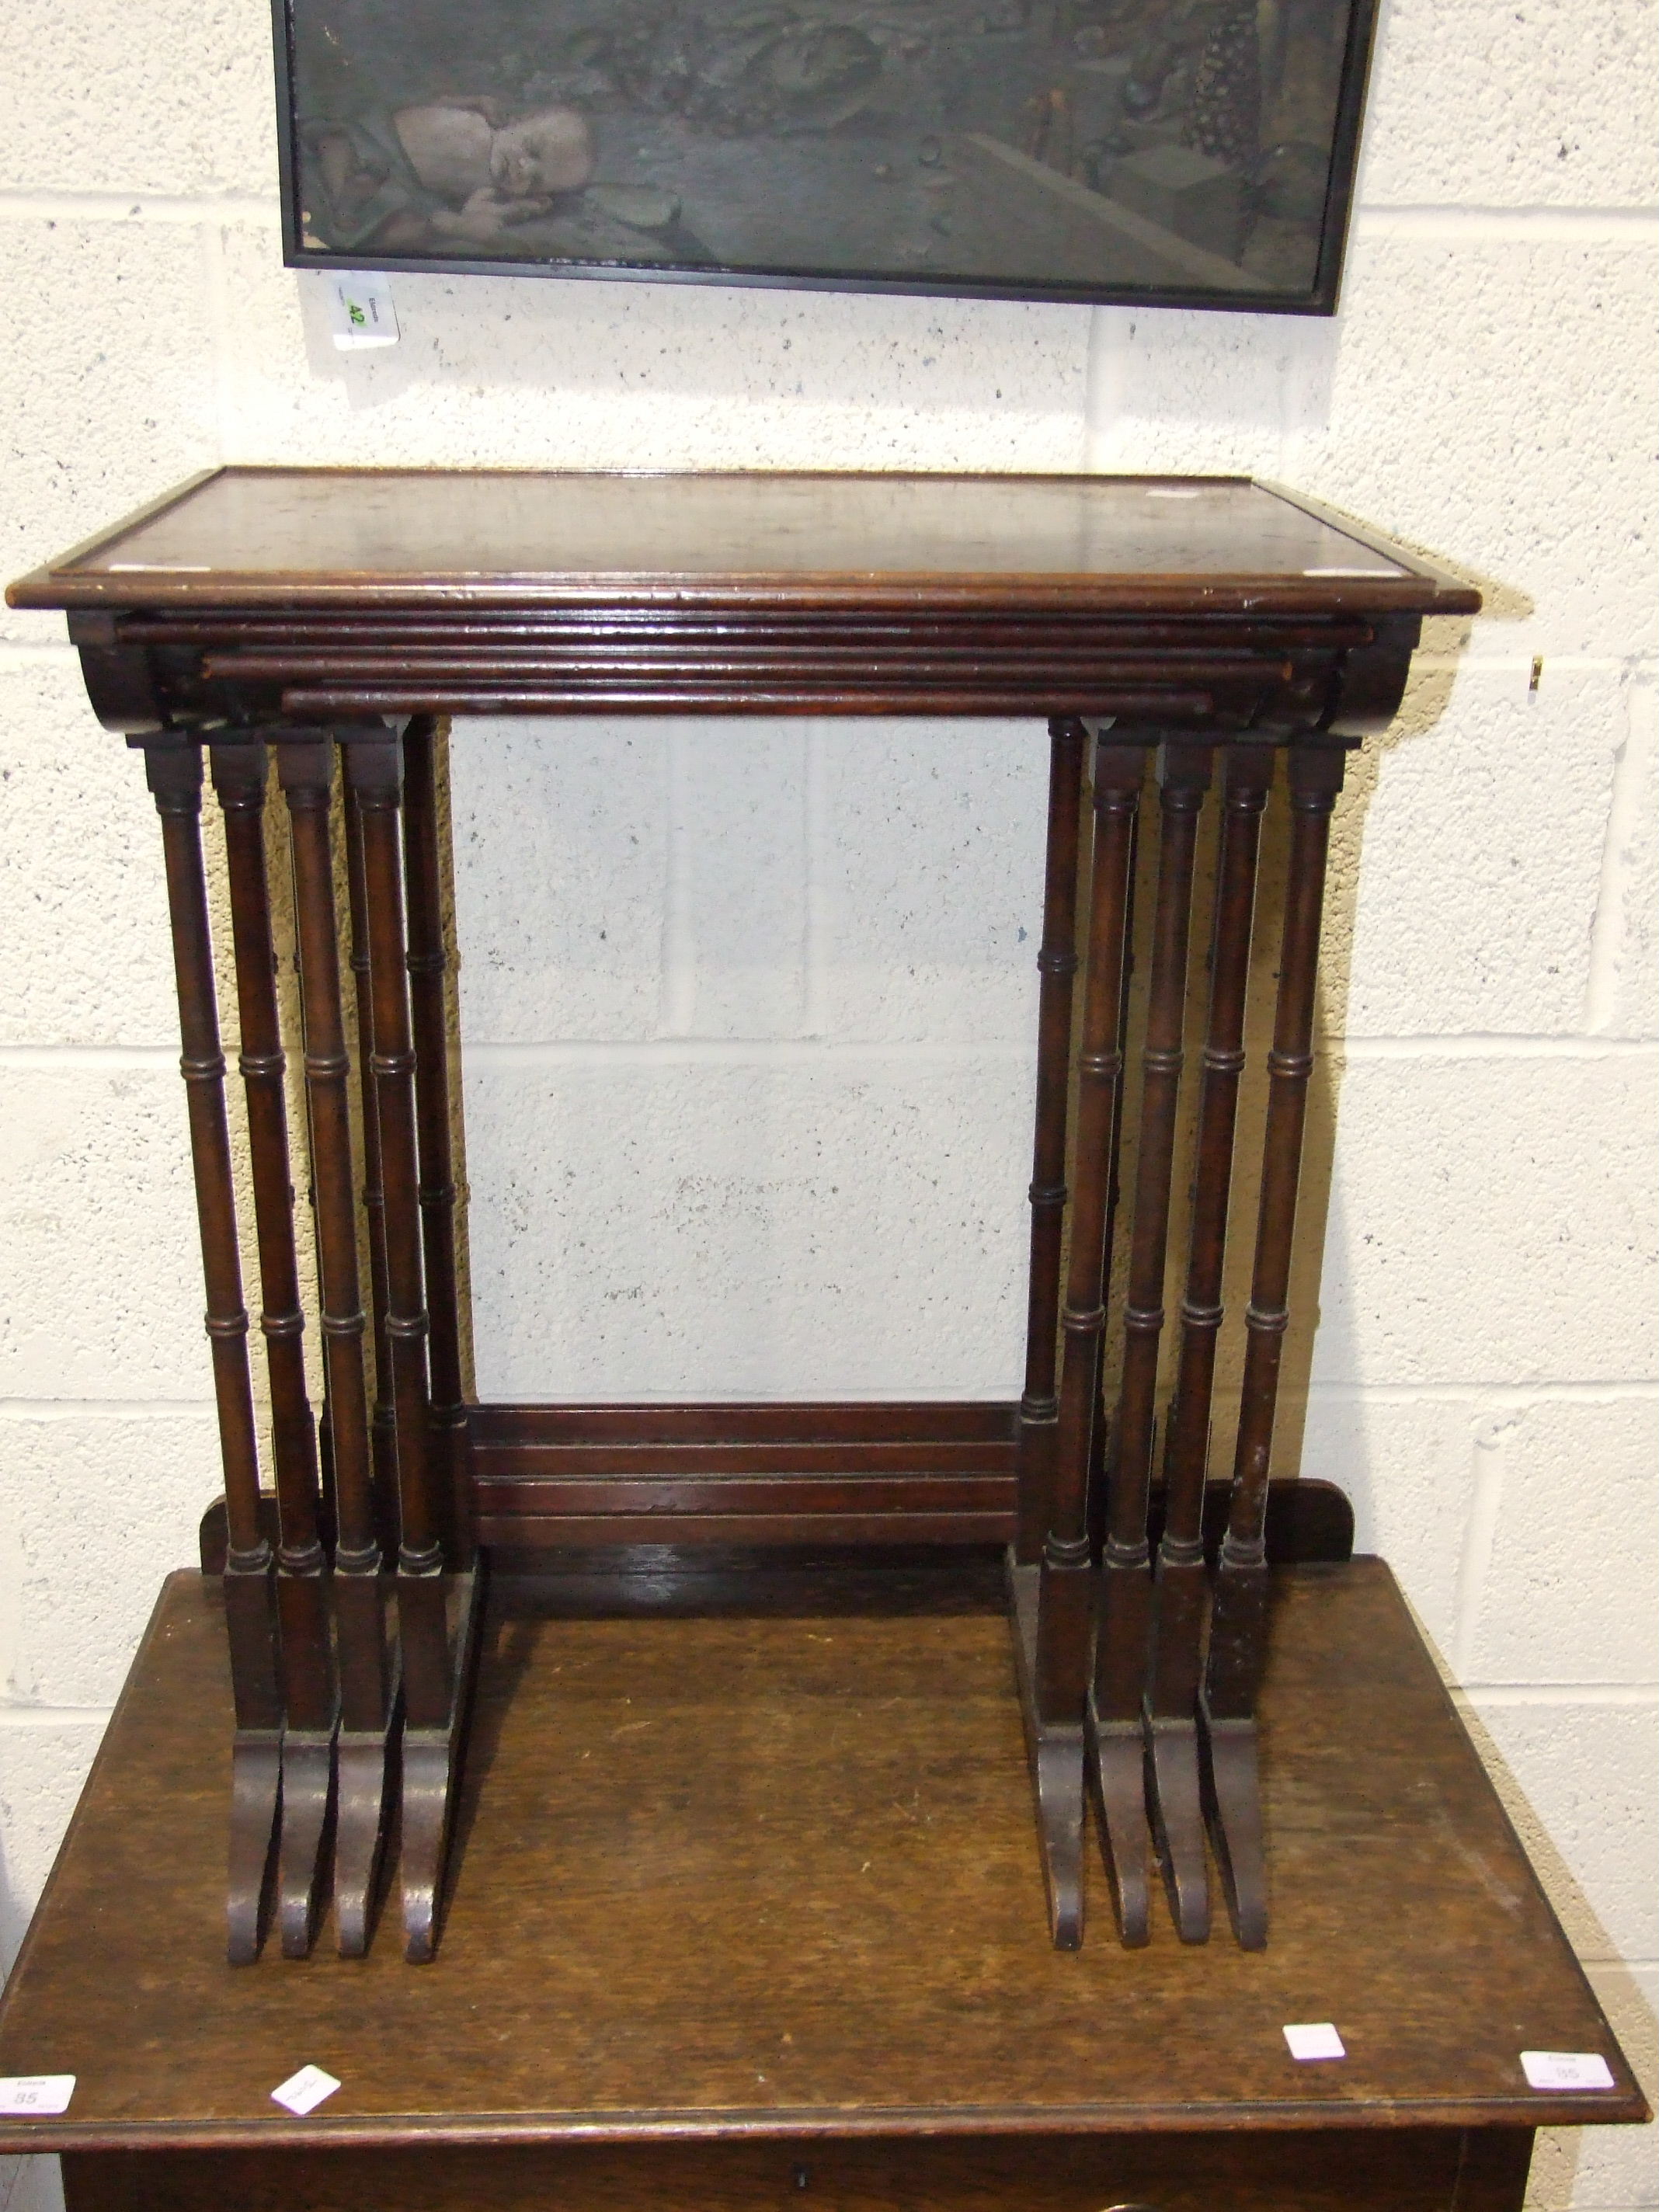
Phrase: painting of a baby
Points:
(449, 168)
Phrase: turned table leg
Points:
(428, 963)
(385, 1473)
(1180, 1589)
(367, 1738)
(435, 1667)
(302, 1596)
(1238, 1627)
(1052, 1601)
(1039, 1406)
(1114, 1721)
(173, 769)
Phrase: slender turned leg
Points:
(1179, 1591)
(385, 1473)
(1238, 1624)
(302, 1596)
(1039, 1409)
(428, 961)
(1052, 1601)
(305, 766)
(173, 769)
(432, 1680)
(1116, 1747)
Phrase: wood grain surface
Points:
(730, 1871)
(318, 535)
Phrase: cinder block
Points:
(1481, 860)
(112, 373)
(1407, 1468)
(735, 945)
(928, 857)
(1634, 836)
(85, 967)
(808, 1227)
(99, 1262)
(1550, 107)
(1491, 1220)
(43, 1760)
(139, 95)
(134, 1490)
(496, 371)
(1192, 394)
(1580, 1779)
(1573, 1591)
(561, 834)
(1487, 398)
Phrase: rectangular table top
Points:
(259, 536)
(763, 1864)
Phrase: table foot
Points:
(1232, 1803)
(256, 1773)
(308, 1800)
(1117, 1768)
(1175, 1804)
(431, 1772)
(1053, 1751)
(366, 1769)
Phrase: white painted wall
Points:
(813, 934)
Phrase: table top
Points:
(764, 1864)
(250, 538)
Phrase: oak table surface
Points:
(769, 1871)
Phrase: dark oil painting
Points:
(1191, 151)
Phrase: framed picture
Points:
(1174, 153)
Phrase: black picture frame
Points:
(1203, 288)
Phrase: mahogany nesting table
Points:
(1194, 645)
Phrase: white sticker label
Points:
(1353, 572)
(303, 2092)
(1566, 2069)
(35, 2093)
(1314, 2039)
(360, 311)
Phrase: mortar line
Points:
(1105, 379)
(815, 918)
(1487, 1396)
(1516, 1696)
(141, 206)
(106, 1409)
(1523, 223)
(678, 986)
(1624, 822)
(1480, 1537)
(679, 979)
(212, 243)
(32, 1716)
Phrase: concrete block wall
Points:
(750, 1007)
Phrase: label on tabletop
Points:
(21, 2093)
(1566, 2069)
(360, 312)
(303, 2092)
(1314, 2039)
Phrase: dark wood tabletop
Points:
(258, 536)
(759, 1863)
